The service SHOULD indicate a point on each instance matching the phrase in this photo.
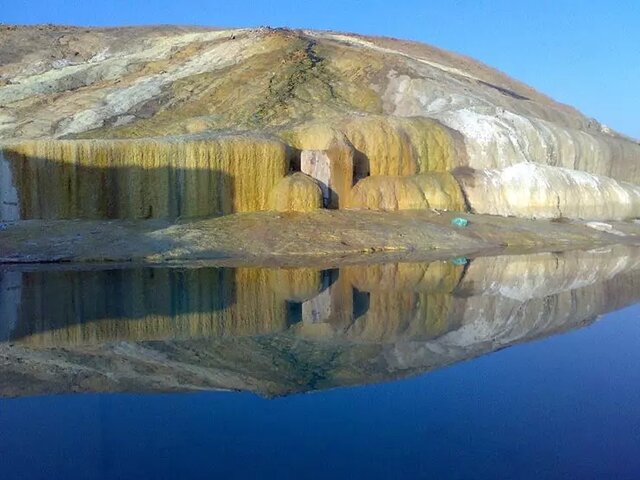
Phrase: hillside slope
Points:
(378, 106)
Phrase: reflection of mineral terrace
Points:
(166, 122)
(284, 331)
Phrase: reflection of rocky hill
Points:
(283, 331)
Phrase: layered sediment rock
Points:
(371, 107)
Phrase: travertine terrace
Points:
(176, 123)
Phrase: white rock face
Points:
(502, 121)
(9, 201)
(318, 309)
(539, 275)
(500, 131)
(531, 190)
(10, 298)
(316, 164)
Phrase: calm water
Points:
(506, 367)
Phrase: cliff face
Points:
(142, 179)
(395, 109)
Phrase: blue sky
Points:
(585, 53)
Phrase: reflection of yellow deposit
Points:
(371, 303)
(159, 329)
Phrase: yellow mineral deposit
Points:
(395, 163)
(404, 146)
(258, 306)
(407, 300)
(313, 136)
(385, 145)
(392, 316)
(149, 178)
(151, 305)
(430, 190)
(295, 193)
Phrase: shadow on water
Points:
(281, 331)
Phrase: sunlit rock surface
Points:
(282, 331)
(377, 107)
(296, 193)
(151, 178)
(539, 191)
(436, 190)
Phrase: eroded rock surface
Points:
(377, 107)
(530, 190)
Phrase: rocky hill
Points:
(166, 122)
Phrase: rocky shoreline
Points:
(323, 237)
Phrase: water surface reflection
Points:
(282, 331)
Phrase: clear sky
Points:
(585, 53)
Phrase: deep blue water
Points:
(567, 406)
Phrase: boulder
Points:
(296, 193)
(430, 190)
